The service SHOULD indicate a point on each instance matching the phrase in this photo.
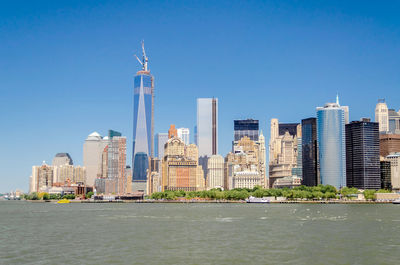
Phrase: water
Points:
(47, 233)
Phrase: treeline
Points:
(320, 192)
(45, 196)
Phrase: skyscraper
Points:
(309, 152)
(92, 156)
(362, 155)
(160, 140)
(207, 126)
(117, 161)
(62, 159)
(247, 128)
(331, 144)
(382, 116)
(143, 117)
(394, 121)
(184, 134)
(215, 172)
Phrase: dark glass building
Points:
(362, 155)
(140, 167)
(386, 175)
(247, 128)
(289, 127)
(309, 152)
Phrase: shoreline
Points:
(218, 202)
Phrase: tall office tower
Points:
(362, 155)
(154, 180)
(42, 178)
(394, 159)
(394, 121)
(172, 131)
(160, 140)
(245, 166)
(92, 156)
(207, 126)
(179, 170)
(184, 134)
(389, 143)
(247, 128)
(382, 116)
(215, 172)
(309, 152)
(117, 161)
(386, 175)
(331, 144)
(143, 118)
(62, 159)
(283, 152)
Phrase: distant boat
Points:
(63, 201)
(397, 201)
(252, 199)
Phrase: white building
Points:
(207, 126)
(394, 159)
(382, 116)
(184, 134)
(92, 156)
(215, 172)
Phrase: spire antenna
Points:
(337, 99)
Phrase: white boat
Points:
(252, 199)
(397, 201)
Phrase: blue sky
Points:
(67, 67)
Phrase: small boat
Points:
(397, 201)
(252, 199)
(63, 201)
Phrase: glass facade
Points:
(331, 145)
(288, 127)
(207, 126)
(249, 128)
(309, 152)
(160, 140)
(362, 155)
(142, 120)
(140, 166)
(386, 175)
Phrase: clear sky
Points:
(67, 67)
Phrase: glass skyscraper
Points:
(309, 152)
(247, 128)
(207, 126)
(362, 155)
(160, 140)
(143, 119)
(331, 144)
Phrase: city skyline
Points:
(77, 81)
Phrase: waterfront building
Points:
(139, 180)
(382, 116)
(143, 119)
(245, 165)
(249, 128)
(62, 159)
(331, 144)
(184, 134)
(283, 150)
(394, 159)
(215, 172)
(394, 121)
(207, 126)
(117, 162)
(389, 143)
(128, 177)
(386, 175)
(92, 156)
(42, 178)
(154, 180)
(362, 155)
(309, 152)
(68, 174)
(160, 141)
(180, 170)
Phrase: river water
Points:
(133, 233)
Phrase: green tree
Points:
(89, 194)
(369, 194)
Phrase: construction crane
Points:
(144, 61)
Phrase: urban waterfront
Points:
(49, 233)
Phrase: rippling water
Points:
(47, 233)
